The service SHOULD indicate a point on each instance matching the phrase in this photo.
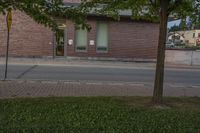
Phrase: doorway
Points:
(60, 42)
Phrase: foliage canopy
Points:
(146, 9)
(44, 11)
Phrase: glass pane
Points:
(81, 39)
(102, 37)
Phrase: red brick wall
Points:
(27, 38)
(135, 40)
(126, 40)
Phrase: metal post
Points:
(53, 40)
(65, 42)
(7, 50)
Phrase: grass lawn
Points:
(98, 115)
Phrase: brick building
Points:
(107, 38)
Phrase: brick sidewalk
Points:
(13, 89)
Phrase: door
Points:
(60, 42)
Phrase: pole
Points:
(9, 21)
(53, 40)
(7, 50)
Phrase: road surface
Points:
(140, 75)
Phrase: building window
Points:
(102, 37)
(81, 39)
(198, 34)
(193, 35)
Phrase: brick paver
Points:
(20, 88)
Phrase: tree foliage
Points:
(146, 9)
(174, 28)
(44, 11)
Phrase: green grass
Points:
(99, 115)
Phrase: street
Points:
(79, 73)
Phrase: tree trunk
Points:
(159, 76)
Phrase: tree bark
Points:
(159, 76)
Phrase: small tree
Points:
(153, 10)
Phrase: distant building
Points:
(176, 38)
(188, 37)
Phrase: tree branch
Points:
(155, 6)
(174, 5)
(153, 3)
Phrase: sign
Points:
(9, 19)
(70, 42)
(92, 42)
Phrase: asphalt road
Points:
(141, 75)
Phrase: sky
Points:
(172, 23)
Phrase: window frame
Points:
(55, 47)
(75, 42)
(97, 28)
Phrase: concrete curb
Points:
(90, 63)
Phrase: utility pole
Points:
(9, 23)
